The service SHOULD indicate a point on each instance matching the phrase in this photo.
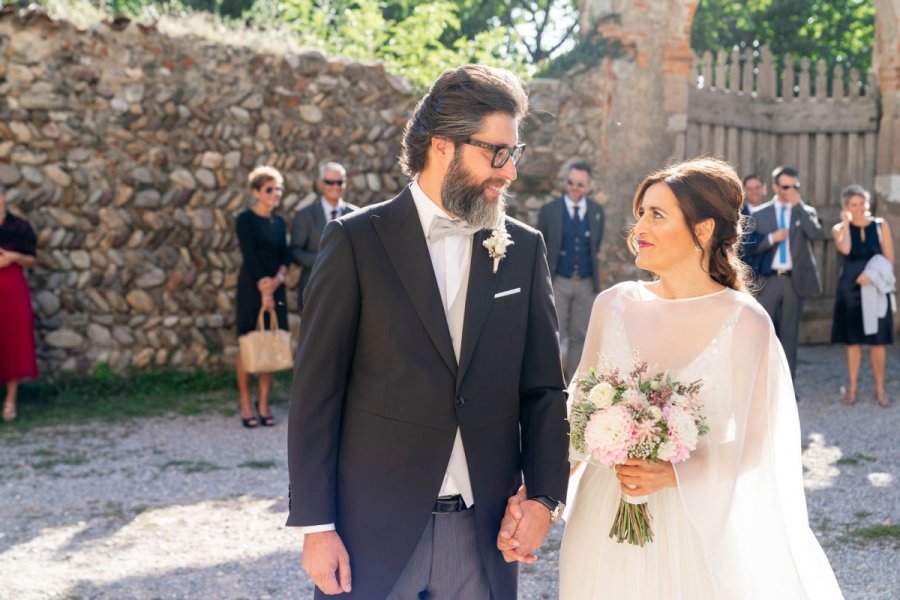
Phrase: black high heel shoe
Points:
(250, 422)
(265, 420)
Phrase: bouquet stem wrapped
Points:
(632, 522)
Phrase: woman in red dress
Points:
(17, 358)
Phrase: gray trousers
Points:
(785, 307)
(445, 563)
(574, 300)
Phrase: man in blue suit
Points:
(787, 226)
(572, 226)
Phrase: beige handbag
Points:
(266, 350)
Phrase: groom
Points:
(428, 380)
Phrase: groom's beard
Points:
(465, 198)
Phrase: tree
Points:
(836, 31)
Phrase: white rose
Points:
(666, 451)
(602, 395)
(682, 425)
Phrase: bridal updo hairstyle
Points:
(707, 188)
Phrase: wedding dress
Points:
(736, 527)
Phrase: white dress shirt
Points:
(327, 208)
(571, 204)
(449, 258)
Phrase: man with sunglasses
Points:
(788, 270)
(309, 221)
(428, 384)
(572, 226)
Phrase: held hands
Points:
(638, 477)
(326, 561)
(863, 279)
(6, 258)
(523, 529)
(779, 235)
(267, 285)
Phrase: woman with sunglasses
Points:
(261, 235)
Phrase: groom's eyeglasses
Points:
(795, 186)
(502, 153)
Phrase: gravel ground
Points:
(194, 507)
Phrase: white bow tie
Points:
(441, 228)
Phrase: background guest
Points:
(572, 226)
(261, 235)
(787, 226)
(310, 221)
(17, 358)
(859, 237)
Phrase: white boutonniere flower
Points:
(498, 243)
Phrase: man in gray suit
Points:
(572, 227)
(310, 221)
(787, 226)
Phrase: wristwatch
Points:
(555, 507)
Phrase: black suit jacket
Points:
(550, 224)
(804, 227)
(378, 395)
(306, 234)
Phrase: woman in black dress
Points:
(261, 235)
(859, 237)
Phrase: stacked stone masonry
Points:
(128, 151)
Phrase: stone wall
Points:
(128, 151)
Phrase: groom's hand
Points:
(506, 541)
(523, 529)
(326, 561)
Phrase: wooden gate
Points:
(741, 110)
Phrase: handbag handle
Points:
(273, 319)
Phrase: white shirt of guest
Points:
(328, 209)
(449, 256)
(777, 263)
(571, 204)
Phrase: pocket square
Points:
(507, 293)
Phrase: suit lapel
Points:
(482, 287)
(401, 235)
(319, 216)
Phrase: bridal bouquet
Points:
(651, 417)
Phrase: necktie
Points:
(334, 213)
(441, 228)
(782, 246)
(577, 213)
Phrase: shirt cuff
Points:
(316, 528)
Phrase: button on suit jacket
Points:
(378, 394)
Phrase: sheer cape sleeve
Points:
(743, 487)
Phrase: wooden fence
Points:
(743, 108)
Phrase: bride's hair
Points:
(706, 188)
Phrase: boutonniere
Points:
(498, 243)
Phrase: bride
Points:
(731, 521)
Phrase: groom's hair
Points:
(455, 108)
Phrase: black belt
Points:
(449, 504)
(782, 273)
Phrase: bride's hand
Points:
(641, 478)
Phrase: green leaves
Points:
(836, 31)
